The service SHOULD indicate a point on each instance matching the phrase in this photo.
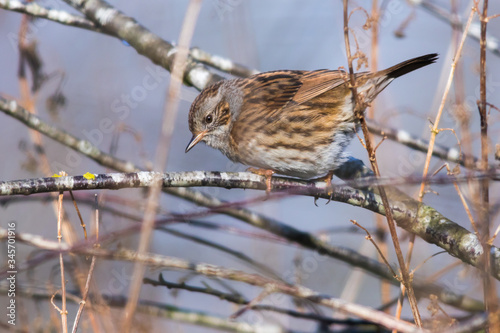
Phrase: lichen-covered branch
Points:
(410, 215)
(59, 16)
(223, 64)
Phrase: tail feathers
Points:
(378, 81)
(409, 65)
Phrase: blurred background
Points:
(103, 78)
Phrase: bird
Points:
(295, 123)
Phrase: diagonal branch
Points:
(113, 22)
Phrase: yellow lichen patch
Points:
(89, 176)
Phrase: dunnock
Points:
(289, 122)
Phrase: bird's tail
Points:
(376, 82)
(409, 66)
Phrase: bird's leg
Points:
(266, 173)
(329, 186)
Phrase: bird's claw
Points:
(329, 186)
(266, 173)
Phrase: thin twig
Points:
(443, 271)
(435, 131)
(53, 303)
(495, 234)
(489, 286)
(301, 292)
(427, 259)
(238, 299)
(462, 199)
(447, 295)
(63, 312)
(381, 254)
(91, 270)
(358, 110)
(435, 127)
(381, 233)
(82, 224)
(268, 289)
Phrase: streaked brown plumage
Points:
(294, 123)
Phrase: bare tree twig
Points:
(298, 291)
(483, 204)
(190, 316)
(359, 107)
(370, 238)
(63, 311)
(435, 127)
(240, 300)
(446, 295)
(90, 273)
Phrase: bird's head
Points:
(211, 114)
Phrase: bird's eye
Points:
(208, 119)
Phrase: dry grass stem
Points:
(169, 116)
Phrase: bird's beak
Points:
(195, 139)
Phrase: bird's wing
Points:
(277, 104)
(318, 82)
(271, 91)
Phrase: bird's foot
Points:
(266, 173)
(329, 187)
